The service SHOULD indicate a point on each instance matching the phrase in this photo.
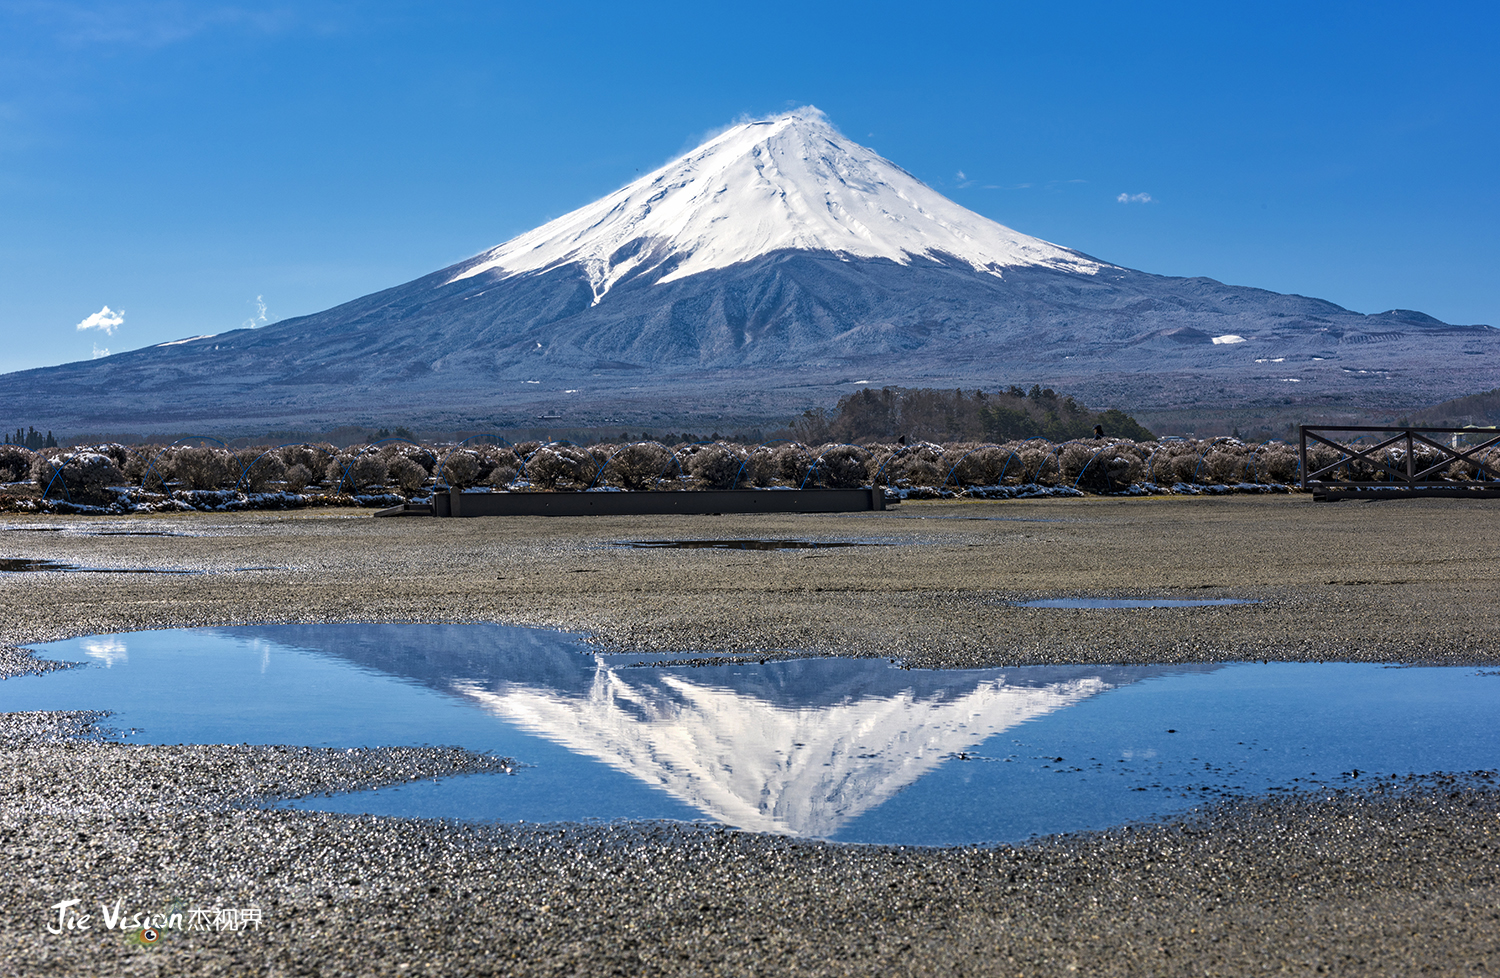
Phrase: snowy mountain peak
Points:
(788, 182)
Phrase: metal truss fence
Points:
(1371, 461)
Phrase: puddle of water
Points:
(136, 533)
(850, 750)
(747, 544)
(1132, 602)
(26, 565)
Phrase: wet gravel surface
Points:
(24, 662)
(1402, 581)
(1397, 878)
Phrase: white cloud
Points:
(260, 313)
(100, 351)
(152, 23)
(104, 319)
(1135, 199)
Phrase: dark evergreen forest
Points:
(962, 416)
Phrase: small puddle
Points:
(135, 533)
(748, 544)
(25, 565)
(1132, 602)
(853, 750)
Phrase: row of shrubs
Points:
(88, 474)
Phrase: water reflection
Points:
(106, 649)
(792, 767)
(854, 750)
(797, 747)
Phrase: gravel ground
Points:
(1397, 878)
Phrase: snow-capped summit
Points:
(788, 182)
(746, 281)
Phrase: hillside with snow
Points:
(771, 269)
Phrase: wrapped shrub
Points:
(718, 466)
(79, 476)
(976, 467)
(560, 466)
(1226, 464)
(461, 468)
(1039, 463)
(501, 476)
(15, 463)
(258, 468)
(1278, 463)
(204, 468)
(297, 478)
(367, 471)
(841, 467)
(406, 474)
(762, 467)
(792, 463)
(637, 466)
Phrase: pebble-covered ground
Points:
(1396, 878)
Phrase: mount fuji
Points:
(771, 269)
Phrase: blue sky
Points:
(182, 162)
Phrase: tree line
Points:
(31, 438)
(956, 415)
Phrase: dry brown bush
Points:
(460, 468)
(258, 467)
(335, 472)
(367, 471)
(560, 466)
(1039, 463)
(718, 466)
(78, 476)
(1225, 464)
(792, 463)
(978, 466)
(762, 468)
(837, 467)
(501, 476)
(1074, 457)
(637, 466)
(1277, 463)
(15, 463)
(307, 456)
(204, 468)
(297, 478)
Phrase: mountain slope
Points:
(764, 272)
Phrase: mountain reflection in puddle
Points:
(848, 749)
(792, 747)
(796, 747)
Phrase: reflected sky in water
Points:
(853, 750)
